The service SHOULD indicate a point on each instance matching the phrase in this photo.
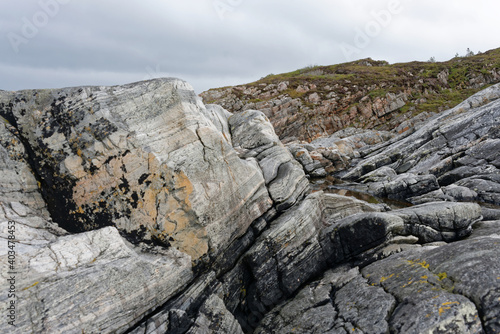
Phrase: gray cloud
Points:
(213, 43)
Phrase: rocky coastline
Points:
(140, 209)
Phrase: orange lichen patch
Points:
(157, 197)
(450, 303)
(148, 202)
(182, 182)
(383, 278)
(445, 307)
(410, 281)
(442, 276)
(423, 263)
(188, 235)
(406, 128)
(78, 210)
(442, 309)
(195, 243)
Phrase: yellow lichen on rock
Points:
(156, 197)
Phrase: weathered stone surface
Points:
(93, 282)
(370, 311)
(219, 118)
(289, 253)
(221, 190)
(328, 306)
(285, 179)
(215, 318)
(405, 186)
(179, 314)
(451, 288)
(365, 237)
(428, 289)
(148, 158)
(17, 182)
(456, 149)
(452, 193)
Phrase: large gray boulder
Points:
(253, 134)
(93, 282)
(148, 158)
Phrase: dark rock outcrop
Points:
(452, 288)
(452, 157)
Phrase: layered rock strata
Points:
(452, 157)
(318, 101)
(137, 209)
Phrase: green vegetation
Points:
(428, 86)
(378, 93)
(254, 100)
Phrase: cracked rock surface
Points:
(94, 282)
(138, 209)
(143, 157)
(452, 157)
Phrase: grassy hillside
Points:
(344, 88)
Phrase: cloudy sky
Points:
(214, 43)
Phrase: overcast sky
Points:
(214, 43)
